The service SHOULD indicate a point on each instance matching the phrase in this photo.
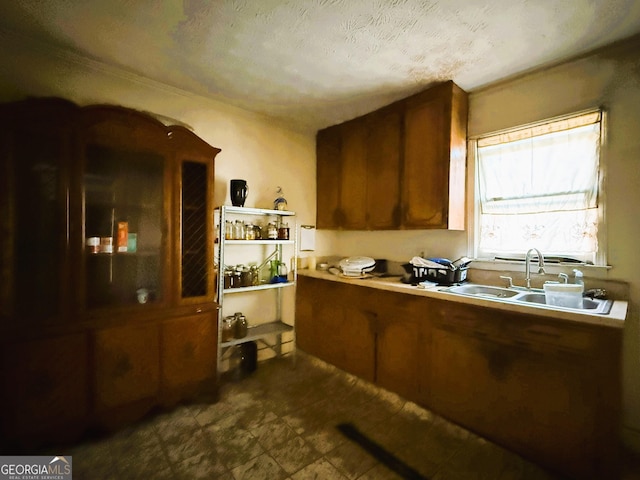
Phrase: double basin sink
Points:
(534, 297)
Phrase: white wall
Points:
(259, 149)
(610, 78)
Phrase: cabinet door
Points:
(353, 176)
(124, 169)
(194, 237)
(35, 143)
(384, 169)
(334, 323)
(46, 389)
(426, 163)
(401, 344)
(188, 348)
(535, 402)
(127, 367)
(328, 174)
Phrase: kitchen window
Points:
(539, 186)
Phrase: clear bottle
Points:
(578, 278)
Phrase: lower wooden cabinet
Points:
(547, 389)
(336, 326)
(45, 390)
(188, 351)
(400, 342)
(127, 372)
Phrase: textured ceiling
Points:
(320, 62)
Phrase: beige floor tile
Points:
(262, 467)
(272, 434)
(294, 454)
(202, 466)
(321, 469)
(351, 460)
(324, 438)
(381, 472)
(280, 424)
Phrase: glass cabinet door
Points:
(123, 226)
(194, 274)
(34, 183)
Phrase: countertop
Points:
(614, 319)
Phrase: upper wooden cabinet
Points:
(402, 166)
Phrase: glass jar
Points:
(238, 230)
(255, 275)
(237, 277)
(228, 230)
(228, 278)
(272, 231)
(241, 326)
(257, 232)
(283, 232)
(245, 277)
(249, 232)
(228, 328)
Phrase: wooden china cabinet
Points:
(107, 277)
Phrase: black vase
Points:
(238, 192)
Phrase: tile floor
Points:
(280, 424)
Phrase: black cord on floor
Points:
(379, 453)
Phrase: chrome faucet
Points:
(527, 265)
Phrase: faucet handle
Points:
(564, 277)
(508, 279)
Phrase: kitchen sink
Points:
(483, 291)
(533, 297)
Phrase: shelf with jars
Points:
(256, 252)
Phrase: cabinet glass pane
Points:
(123, 201)
(194, 229)
(39, 225)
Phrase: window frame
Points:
(474, 197)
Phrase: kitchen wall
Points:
(257, 148)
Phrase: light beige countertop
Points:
(615, 318)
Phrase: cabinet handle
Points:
(198, 310)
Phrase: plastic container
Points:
(563, 295)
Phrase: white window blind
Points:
(538, 187)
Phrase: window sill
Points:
(553, 268)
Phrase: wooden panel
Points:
(333, 323)
(188, 347)
(426, 164)
(328, 173)
(127, 365)
(399, 354)
(353, 177)
(384, 170)
(45, 389)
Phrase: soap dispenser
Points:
(578, 278)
